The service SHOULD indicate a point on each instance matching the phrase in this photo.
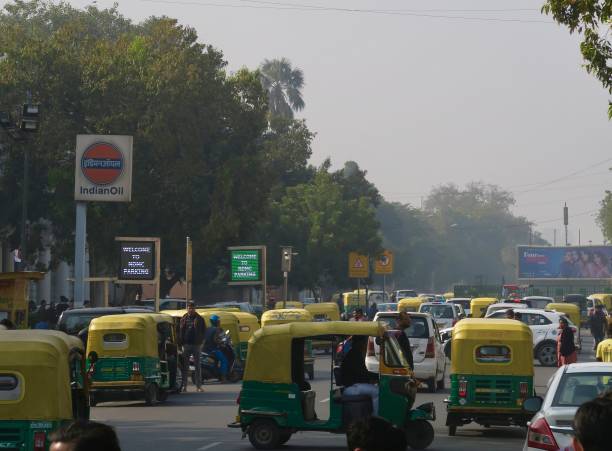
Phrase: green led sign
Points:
(246, 265)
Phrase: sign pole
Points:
(265, 276)
(384, 285)
(79, 254)
(157, 271)
(189, 269)
(285, 288)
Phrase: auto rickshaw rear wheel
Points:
(431, 384)
(150, 393)
(264, 434)
(284, 437)
(419, 434)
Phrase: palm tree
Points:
(284, 85)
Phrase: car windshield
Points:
(576, 389)
(75, 323)
(418, 325)
(438, 311)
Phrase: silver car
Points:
(571, 386)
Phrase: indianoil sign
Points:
(103, 169)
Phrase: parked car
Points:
(445, 315)
(465, 302)
(75, 320)
(570, 387)
(243, 306)
(427, 352)
(504, 306)
(166, 304)
(544, 327)
(539, 302)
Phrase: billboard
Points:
(137, 259)
(575, 262)
(245, 265)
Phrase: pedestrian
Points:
(604, 348)
(41, 319)
(191, 335)
(592, 423)
(372, 311)
(84, 436)
(598, 324)
(566, 350)
(375, 434)
(358, 315)
(212, 339)
(271, 303)
(403, 324)
(509, 314)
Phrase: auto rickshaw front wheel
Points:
(419, 434)
(264, 434)
(150, 393)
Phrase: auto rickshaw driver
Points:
(356, 378)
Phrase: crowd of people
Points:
(46, 315)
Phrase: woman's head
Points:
(563, 322)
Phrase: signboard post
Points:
(248, 267)
(359, 268)
(140, 262)
(188, 269)
(103, 173)
(384, 266)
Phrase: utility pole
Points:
(565, 221)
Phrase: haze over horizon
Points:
(423, 93)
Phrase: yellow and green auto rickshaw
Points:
(276, 401)
(323, 311)
(491, 373)
(410, 304)
(604, 298)
(352, 301)
(248, 324)
(478, 306)
(43, 385)
(287, 304)
(285, 316)
(132, 357)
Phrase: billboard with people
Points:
(575, 262)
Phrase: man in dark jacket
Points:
(191, 335)
(598, 324)
(355, 376)
(403, 324)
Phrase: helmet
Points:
(214, 319)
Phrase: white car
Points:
(402, 294)
(427, 351)
(445, 315)
(537, 301)
(465, 302)
(571, 386)
(503, 306)
(544, 327)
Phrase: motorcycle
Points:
(209, 364)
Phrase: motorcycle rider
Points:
(212, 342)
(192, 331)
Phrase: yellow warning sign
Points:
(359, 266)
(384, 263)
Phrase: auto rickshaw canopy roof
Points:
(287, 304)
(140, 329)
(472, 333)
(571, 310)
(284, 316)
(410, 303)
(269, 354)
(227, 321)
(329, 309)
(604, 298)
(39, 359)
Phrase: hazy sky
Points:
(420, 101)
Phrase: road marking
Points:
(212, 445)
(325, 400)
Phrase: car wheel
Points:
(547, 354)
(264, 434)
(419, 434)
(431, 384)
(441, 384)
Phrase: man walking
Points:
(598, 324)
(191, 334)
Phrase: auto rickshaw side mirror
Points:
(93, 356)
(533, 405)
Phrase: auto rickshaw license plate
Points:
(491, 390)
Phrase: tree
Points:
(592, 19)
(283, 84)
(604, 218)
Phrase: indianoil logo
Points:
(102, 163)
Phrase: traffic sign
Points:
(384, 263)
(359, 266)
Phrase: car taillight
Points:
(39, 441)
(135, 367)
(430, 352)
(371, 350)
(540, 436)
(463, 389)
(523, 387)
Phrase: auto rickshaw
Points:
(353, 300)
(285, 316)
(287, 304)
(572, 311)
(449, 295)
(323, 311)
(491, 373)
(478, 306)
(276, 402)
(248, 324)
(228, 321)
(603, 298)
(42, 386)
(132, 357)
(410, 304)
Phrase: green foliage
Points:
(593, 20)
(284, 86)
(604, 218)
